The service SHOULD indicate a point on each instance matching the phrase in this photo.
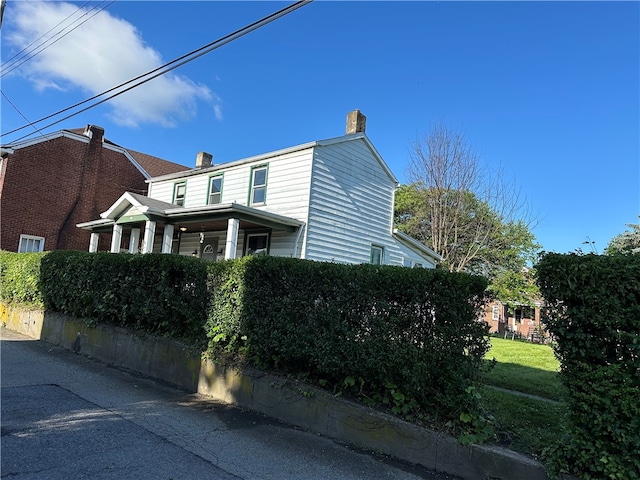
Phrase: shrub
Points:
(594, 313)
(19, 278)
(153, 293)
(408, 338)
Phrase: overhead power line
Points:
(161, 70)
(31, 50)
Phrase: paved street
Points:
(65, 416)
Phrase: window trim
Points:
(264, 167)
(175, 192)
(495, 312)
(211, 178)
(255, 233)
(31, 237)
(374, 248)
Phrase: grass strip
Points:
(523, 424)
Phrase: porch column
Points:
(116, 238)
(149, 234)
(93, 242)
(134, 239)
(233, 225)
(167, 238)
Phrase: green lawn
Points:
(526, 367)
(524, 424)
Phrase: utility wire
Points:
(4, 65)
(5, 69)
(16, 108)
(178, 63)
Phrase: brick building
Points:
(50, 183)
(521, 321)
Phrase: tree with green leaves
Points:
(470, 216)
(625, 242)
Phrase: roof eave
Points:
(412, 242)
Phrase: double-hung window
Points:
(257, 243)
(30, 243)
(258, 191)
(179, 192)
(215, 190)
(377, 255)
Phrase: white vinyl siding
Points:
(352, 204)
(288, 185)
(400, 254)
(340, 190)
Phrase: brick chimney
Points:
(356, 122)
(95, 133)
(204, 160)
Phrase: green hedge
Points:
(154, 293)
(19, 279)
(409, 338)
(593, 311)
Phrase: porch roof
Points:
(201, 218)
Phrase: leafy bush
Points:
(154, 293)
(19, 278)
(594, 313)
(405, 337)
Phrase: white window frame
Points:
(175, 193)
(213, 178)
(374, 250)
(255, 188)
(33, 239)
(495, 313)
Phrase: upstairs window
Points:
(29, 243)
(179, 192)
(377, 255)
(258, 186)
(215, 190)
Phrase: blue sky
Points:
(546, 91)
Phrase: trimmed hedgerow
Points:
(408, 338)
(593, 311)
(154, 293)
(19, 278)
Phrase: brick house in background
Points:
(519, 321)
(50, 183)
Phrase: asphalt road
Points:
(66, 416)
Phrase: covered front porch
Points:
(139, 224)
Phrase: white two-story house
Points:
(328, 200)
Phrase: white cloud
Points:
(98, 55)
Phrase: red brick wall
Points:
(49, 187)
